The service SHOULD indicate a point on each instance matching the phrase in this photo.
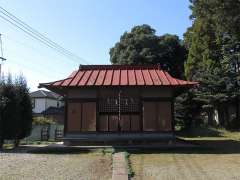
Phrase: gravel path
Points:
(186, 166)
(25, 166)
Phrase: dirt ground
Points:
(186, 166)
(86, 166)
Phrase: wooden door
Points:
(74, 114)
(157, 116)
(89, 116)
(124, 123)
(103, 123)
(135, 123)
(164, 116)
(113, 122)
(149, 116)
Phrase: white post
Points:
(1, 57)
(0, 70)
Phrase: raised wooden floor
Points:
(119, 138)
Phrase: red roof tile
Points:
(139, 77)
(100, 78)
(108, 77)
(118, 75)
(132, 78)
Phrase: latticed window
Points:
(112, 105)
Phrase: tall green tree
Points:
(1, 111)
(16, 110)
(213, 58)
(214, 34)
(204, 52)
(142, 46)
(25, 109)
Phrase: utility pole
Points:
(1, 56)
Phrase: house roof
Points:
(118, 75)
(53, 110)
(44, 94)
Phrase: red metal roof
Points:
(118, 75)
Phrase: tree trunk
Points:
(210, 117)
(227, 118)
(16, 143)
(237, 112)
(221, 115)
(1, 143)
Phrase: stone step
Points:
(120, 167)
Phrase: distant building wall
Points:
(51, 103)
(39, 105)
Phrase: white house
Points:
(42, 100)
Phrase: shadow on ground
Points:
(200, 132)
(199, 147)
(193, 146)
(47, 150)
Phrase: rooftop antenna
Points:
(1, 56)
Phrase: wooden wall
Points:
(155, 113)
(125, 123)
(157, 116)
(81, 116)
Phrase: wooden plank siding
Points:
(125, 123)
(113, 123)
(81, 116)
(154, 112)
(74, 116)
(164, 116)
(88, 116)
(157, 116)
(149, 116)
(135, 123)
(103, 123)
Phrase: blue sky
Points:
(88, 28)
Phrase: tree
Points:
(25, 108)
(214, 53)
(185, 109)
(2, 104)
(204, 53)
(142, 46)
(16, 110)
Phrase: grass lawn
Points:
(218, 157)
(55, 166)
(174, 166)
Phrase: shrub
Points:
(43, 121)
(16, 110)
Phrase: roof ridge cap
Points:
(118, 67)
(44, 94)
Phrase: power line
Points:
(29, 47)
(29, 33)
(32, 69)
(34, 31)
(38, 39)
(33, 66)
(37, 35)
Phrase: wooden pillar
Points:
(65, 115)
(172, 118)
